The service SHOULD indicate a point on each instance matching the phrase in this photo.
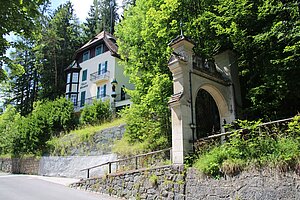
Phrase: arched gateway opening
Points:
(207, 115)
(204, 96)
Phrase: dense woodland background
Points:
(265, 34)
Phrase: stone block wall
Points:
(6, 165)
(100, 143)
(20, 165)
(165, 182)
(256, 184)
(171, 182)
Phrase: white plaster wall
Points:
(92, 66)
(115, 71)
(121, 78)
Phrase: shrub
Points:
(278, 149)
(96, 113)
(8, 130)
(148, 118)
(22, 135)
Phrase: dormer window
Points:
(86, 55)
(99, 49)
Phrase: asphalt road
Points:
(23, 187)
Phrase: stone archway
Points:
(207, 115)
(202, 91)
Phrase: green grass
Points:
(280, 150)
(93, 129)
(61, 145)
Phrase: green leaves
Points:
(22, 135)
(152, 25)
(96, 113)
(17, 17)
(269, 146)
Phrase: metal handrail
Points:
(125, 159)
(243, 129)
(97, 76)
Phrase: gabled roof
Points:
(108, 39)
(74, 66)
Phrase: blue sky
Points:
(81, 7)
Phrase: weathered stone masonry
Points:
(87, 154)
(20, 165)
(263, 184)
(165, 182)
(170, 182)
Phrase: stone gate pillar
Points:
(191, 74)
(180, 65)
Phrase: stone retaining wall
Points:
(58, 166)
(100, 143)
(20, 165)
(70, 166)
(256, 184)
(170, 182)
(87, 154)
(158, 183)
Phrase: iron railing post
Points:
(109, 167)
(136, 162)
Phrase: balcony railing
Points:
(80, 104)
(98, 76)
(120, 97)
(118, 100)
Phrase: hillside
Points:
(91, 140)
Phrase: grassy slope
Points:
(59, 145)
(275, 148)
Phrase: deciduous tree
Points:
(16, 16)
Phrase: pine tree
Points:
(17, 17)
(92, 24)
(102, 16)
(59, 41)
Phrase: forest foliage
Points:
(38, 132)
(28, 134)
(263, 33)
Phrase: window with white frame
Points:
(84, 75)
(74, 88)
(102, 68)
(75, 77)
(68, 88)
(74, 99)
(69, 78)
(101, 91)
(82, 99)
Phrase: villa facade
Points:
(96, 74)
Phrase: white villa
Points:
(97, 74)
